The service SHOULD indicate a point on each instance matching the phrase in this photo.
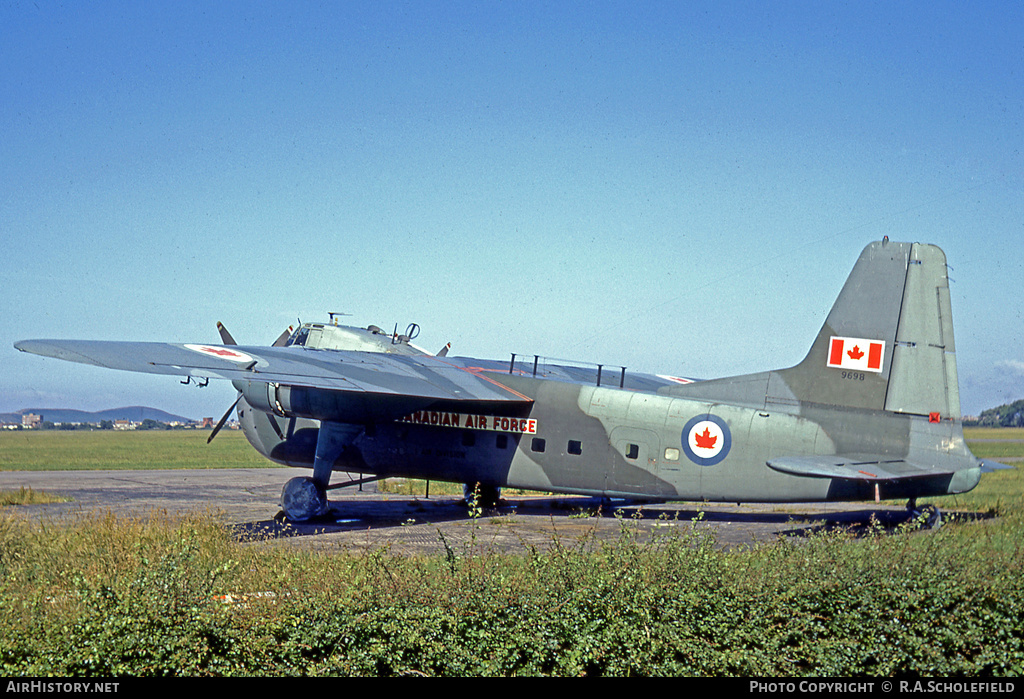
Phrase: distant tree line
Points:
(1009, 415)
(72, 426)
(146, 424)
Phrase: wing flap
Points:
(857, 467)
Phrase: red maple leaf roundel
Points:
(706, 440)
(855, 353)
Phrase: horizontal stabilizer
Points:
(988, 466)
(858, 467)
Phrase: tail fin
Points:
(887, 344)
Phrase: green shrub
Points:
(110, 596)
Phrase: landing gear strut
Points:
(306, 498)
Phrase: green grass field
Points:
(1000, 443)
(57, 450)
(28, 496)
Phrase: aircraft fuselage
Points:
(621, 443)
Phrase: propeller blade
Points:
(225, 336)
(444, 350)
(277, 427)
(223, 419)
(283, 338)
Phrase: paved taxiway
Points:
(247, 499)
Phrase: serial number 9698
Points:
(853, 375)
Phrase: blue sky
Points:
(679, 187)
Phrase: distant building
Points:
(123, 425)
(207, 422)
(29, 421)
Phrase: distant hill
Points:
(134, 413)
(1009, 415)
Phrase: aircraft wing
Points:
(863, 467)
(350, 371)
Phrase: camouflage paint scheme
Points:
(873, 411)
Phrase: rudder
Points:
(923, 379)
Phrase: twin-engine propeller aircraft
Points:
(872, 412)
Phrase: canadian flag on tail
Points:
(856, 353)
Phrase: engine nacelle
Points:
(326, 404)
(290, 442)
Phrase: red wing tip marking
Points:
(221, 353)
(675, 379)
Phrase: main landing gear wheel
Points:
(481, 495)
(303, 499)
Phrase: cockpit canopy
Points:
(333, 337)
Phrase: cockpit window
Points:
(298, 337)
